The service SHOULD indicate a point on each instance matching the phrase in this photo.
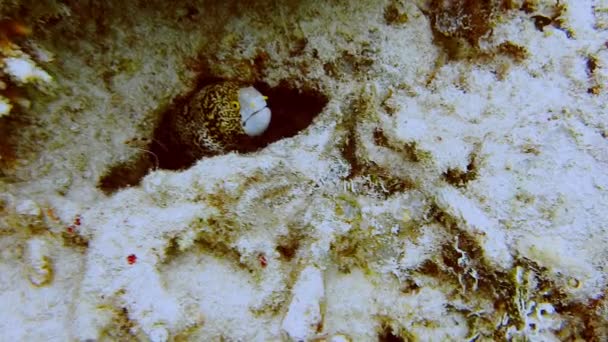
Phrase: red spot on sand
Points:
(77, 220)
(70, 229)
(131, 259)
(262, 259)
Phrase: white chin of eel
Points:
(255, 114)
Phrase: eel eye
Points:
(235, 105)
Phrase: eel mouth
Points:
(254, 113)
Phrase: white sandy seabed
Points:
(431, 199)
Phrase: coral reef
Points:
(17, 68)
(433, 170)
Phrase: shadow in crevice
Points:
(292, 110)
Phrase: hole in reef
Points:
(292, 111)
(387, 335)
(288, 249)
(125, 174)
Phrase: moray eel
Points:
(219, 118)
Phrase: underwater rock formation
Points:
(426, 175)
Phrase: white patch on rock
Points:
(304, 314)
(24, 70)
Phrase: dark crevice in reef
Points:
(127, 173)
(460, 178)
(289, 245)
(292, 110)
(349, 144)
(388, 335)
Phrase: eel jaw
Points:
(255, 114)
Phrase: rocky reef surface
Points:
(434, 170)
